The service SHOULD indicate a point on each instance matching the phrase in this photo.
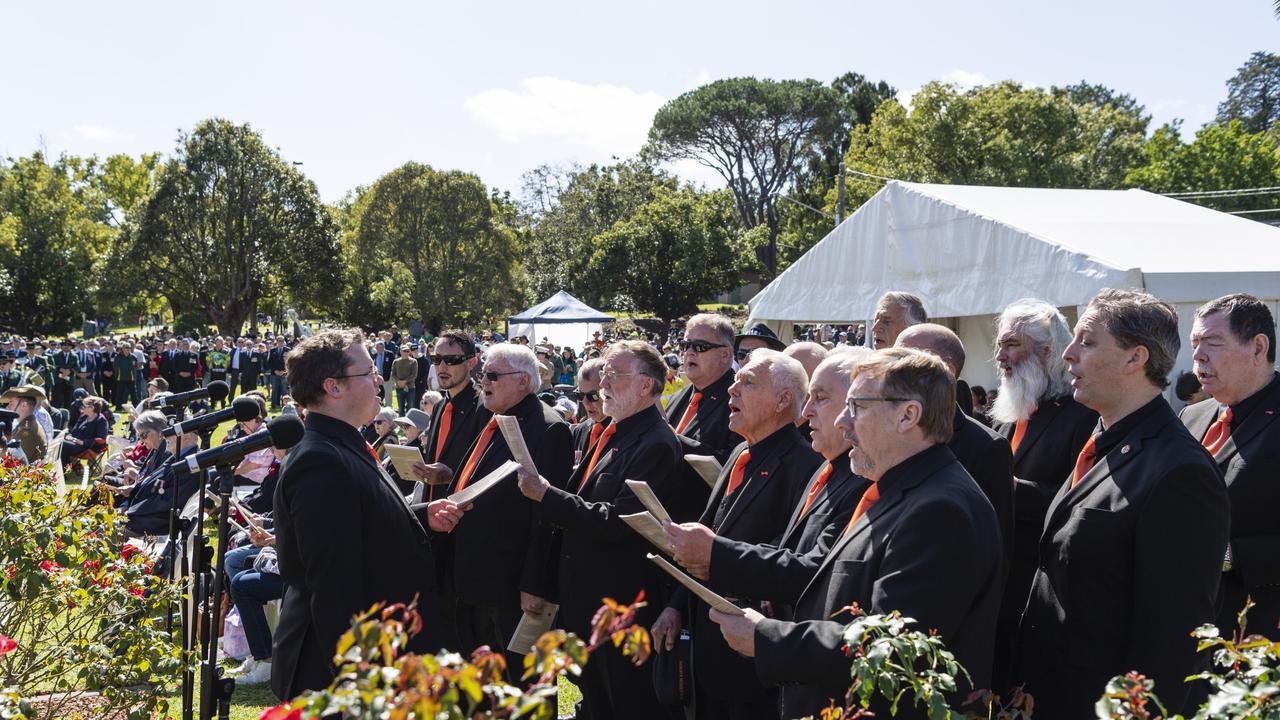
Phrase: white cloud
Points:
(607, 119)
(965, 79)
(98, 133)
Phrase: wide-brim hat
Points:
(418, 418)
(28, 391)
(762, 332)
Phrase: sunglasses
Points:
(492, 376)
(742, 355)
(450, 359)
(698, 346)
(593, 396)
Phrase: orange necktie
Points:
(595, 456)
(1218, 433)
(595, 434)
(869, 498)
(477, 452)
(1019, 429)
(446, 419)
(1084, 462)
(738, 473)
(689, 412)
(373, 453)
(820, 483)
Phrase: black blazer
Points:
(1130, 561)
(581, 439)
(469, 418)
(930, 548)
(987, 457)
(498, 550)
(779, 573)
(774, 479)
(707, 433)
(1250, 465)
(599, 555)
(346, 539)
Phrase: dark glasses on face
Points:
(492, 376)
(742, 355)
(698, 346)
(450, 359)
(593, 396)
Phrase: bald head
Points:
(808, 353)
(935, 339)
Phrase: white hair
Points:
(843, 359)
(786, 373)
(1044, 326)
(717, 323)
(520, 357)
(912, 304)
(388, 414)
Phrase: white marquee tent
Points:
(564, 320)
(969, 251)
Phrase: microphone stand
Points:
(215, 690)
(171, 552)
(193, 617)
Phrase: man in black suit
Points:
(779, 572)
(699, 412)
(1233, 345)
(185, 362)
(587, 432)
(982, 451)
(764, 474)
(1132, 548)
(235, 365)
(65, 366)
(599, 556)
(275, 370)
(345, 537)
(1046, 428)
(499, 553)
(923, 540)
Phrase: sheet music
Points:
(650, 529)
(708, 596)
(708, 467)
(403, 459)
(650, 501)
(530, 628)
(510, 428)
(475, 489)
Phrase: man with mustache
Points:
(1046, 428)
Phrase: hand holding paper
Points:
(510, 428)
(707, 595)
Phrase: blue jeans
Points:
(250, 591)
(239, 560)
(279, 389)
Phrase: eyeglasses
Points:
(593, 396)
(852, 403)
(450, 359)
(367, 373)
(612, 375)
(698, 346)
(492, 376)
(742, 355)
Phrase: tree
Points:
(567, 207)
(49, 242)
(753, 133)
(679, 249)
(229, 223)
(1222, 157)
(1003, 134)
(1253, 95)
(433, 245)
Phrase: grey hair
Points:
(388, 414)
(717, 323)
(150, 421)
(590, 369)
(432, 397)
(1045, 326)
(1137, 318)
(786, 373)
(912, 304)
(520, 357)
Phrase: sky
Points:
(352, 90)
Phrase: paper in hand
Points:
(650, 529)
(475, 489)
(707, 595)
(645, 495)
(708, 468)
(530, 628)
(403, 459)
(510, 428)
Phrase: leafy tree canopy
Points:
(1221, 157)
(1253, 94)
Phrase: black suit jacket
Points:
(1130, 560)
(775, 477)
(469, 418)
(498, 549)
(779, 573)
(987, 457)
(599, 555)
(930, 548)
(1250, 465)
(707, 433)
(582, 439)
(346, 539)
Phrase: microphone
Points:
(217, 391)
(283, 432)
(242, 409)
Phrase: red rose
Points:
(128, 551)
(137, 592)
(7, 645)
(281, 712)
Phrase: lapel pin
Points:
(1124, 449)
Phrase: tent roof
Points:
(561, 308)
(972, 250)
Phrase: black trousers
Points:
(614, 688)
(493, 626)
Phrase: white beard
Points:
(1020, 392)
